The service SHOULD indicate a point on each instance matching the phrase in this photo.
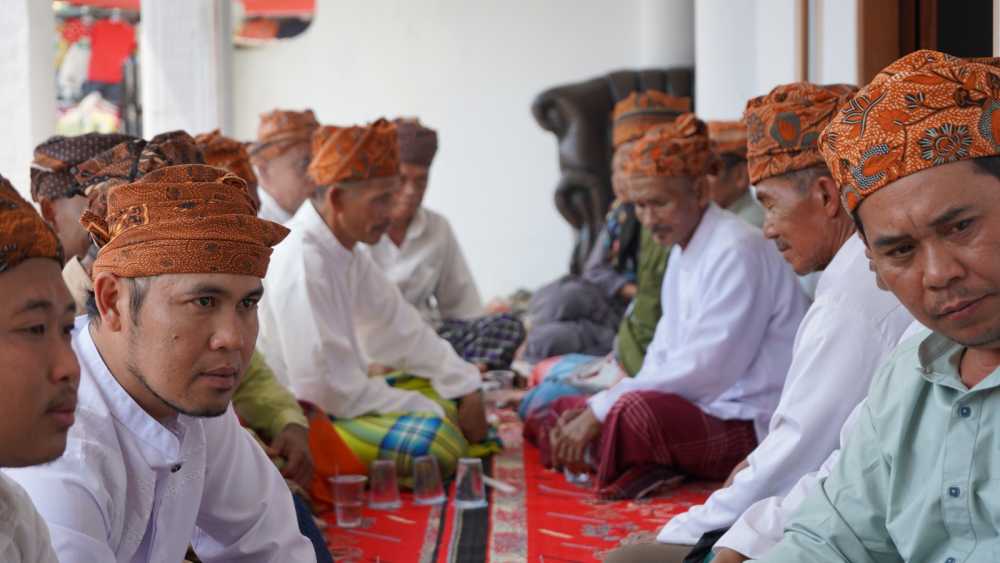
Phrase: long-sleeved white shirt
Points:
(761, 526)
(849, 330)
(327, 310)
(24, 537)
(430, 269)
(131, 489)
(731, 306)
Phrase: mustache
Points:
(64, 401)
(957, 298)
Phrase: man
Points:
(421, 255)
(157, 459)
(849, 330)
(40, 372)
(729, 184)
(280, 158)
(230, 154)
(712, 375)
(331, 312)
(55, 190)
(916, 155)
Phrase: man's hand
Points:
(571, 437)
(732, 475)
(292, 444)
(726, 555)
(472, 417)
(377, 370)
(628, 291)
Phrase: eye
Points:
(900, 251)
(35, 330)
(962, 225)
(67, 330)
(249, 303)
(205, 302)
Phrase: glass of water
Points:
(348, 497)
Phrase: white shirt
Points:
(327, 310)
(129, 489)
(761, 526)
(430, 269)
(270, 210)
(24, 537)
(849, 330)
(731, 306)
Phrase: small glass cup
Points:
(427, 487)
(504, 377)
(470, 490)
(348, 497)
(384, 494)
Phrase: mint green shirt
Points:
(919, 478)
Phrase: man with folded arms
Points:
(157, 459)
(40, 373)
(713, 373)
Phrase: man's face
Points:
(413, 180)
(618, 181)
(64, 216)
(670, 208)
(935, 241)
(286, 176)
(729, 184)
(794, 220)
(39, 374)
(364, 209)
(192, 339)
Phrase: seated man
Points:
(330, 312)
(157, 459)
(580, 314)
(729, 183)
(917, 156)
(40, 373)
(280, 158)
(421, 255)
(814, 233)
(713, 374)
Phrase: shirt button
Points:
(954, 492)
(965, 412)
(950, 560)
(927, 370)
(175, 468)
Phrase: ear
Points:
(701, 192)
(111, 300)
(741, 174)
(48, 211)
(827, 190)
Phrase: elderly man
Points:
(422, 256)
(281, 158)
(729, 183)
(153, 458)
(815, 234)
(714, 371)
(331, 312)
(40, 372)
(916, 156)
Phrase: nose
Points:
(941, 267)
(65, 367)
(768, 228)
(231, 333)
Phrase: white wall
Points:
(470, 69)
(834, 41)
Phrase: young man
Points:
(729, 183)
(331, 312)
(714, 371)
(422, 256)
(916, 156)
(850, 329)
(157, 459)
(40, 373)
(56, 191)
(281, 158)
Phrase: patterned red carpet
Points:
(546, 519)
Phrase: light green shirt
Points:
(263, 404)
(919, 478)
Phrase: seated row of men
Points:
(745, 378)
(168, 261)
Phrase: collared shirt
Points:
(270, 210)
(132, 489)
(263, 404)
(327, 310)
(849, 330)
(731, 307)
(430, 269)
(917, 479)
(24, 537)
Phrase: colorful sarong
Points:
(491, 340)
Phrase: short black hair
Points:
(137, 296)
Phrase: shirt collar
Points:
(841, 265)
(417, 226)
(314, 226)
(161, 447)
(940, 358)
(703, 232)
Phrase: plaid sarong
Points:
(491, 340)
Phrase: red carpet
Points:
(546, 519)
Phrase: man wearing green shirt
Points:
(916, 156)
